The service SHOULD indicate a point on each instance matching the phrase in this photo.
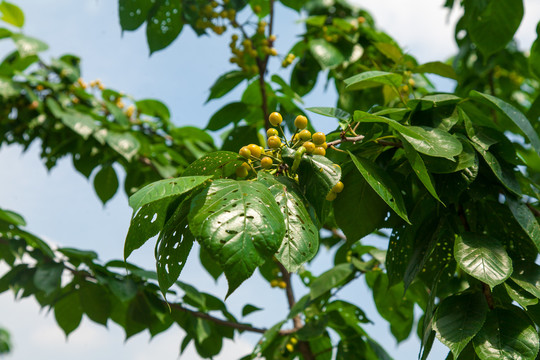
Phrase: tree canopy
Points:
(451, 180)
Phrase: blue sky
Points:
(62, 207)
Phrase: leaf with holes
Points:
(458, 319)
(507, 334)
(173, 247)
(527, 275)
(217, 164)
(167, 188)
(317, 175)
(133, 13)
(239, 224)
(483, 258)
(382, 183)
(164, 24)
(301, 240)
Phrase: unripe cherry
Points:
(266, 162)
(255, 150)
(319, 150)
(275, 118)
(271, 132)
(319, 138)
(274, 142)
(241, 171)
(338, 187)
(304, 135)
(245, 152)
(331, 196)
(310, 147)
(301, 122)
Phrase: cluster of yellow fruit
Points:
(246, 53)
(289, 347)
(270, 159)
(94, 83)
(288, 60)
(209, 15)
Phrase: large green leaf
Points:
(518, 294)
(468, 158)
(229, 114)
(507, 334)
(326, 54)
(330, 279)
(426, 140)
(153, 108)
(373, 78)
(301, 240)
(106, 183)
(382, 183)
(513, 114)
(483, 258)
(165, 189)
(11, 14)
(48, 276)
(239, 224)
(343, 117)
(95, 302)
(133, 13)
(458, 319)
(68, 312)
(492, 24)
(364, 215)
(173, 247)
(527, 275)
(12, 217)
(164, 24)
(526, 219)
(217, 164)
(225, 83)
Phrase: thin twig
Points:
(343, 139)
(534, 210)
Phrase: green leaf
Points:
(8, 89)
(48, 276)
(526, 219)
(164, 24)
(229, 114)
(95, 302)
(419, 168)
(527, 275)
(133, 13)
(317, 175)
(124, 289)
(12, 218)
(534, 57)
(217, 164)
(382, 183)
(239, 224)
(458, 319)
(301, 241)
(209, 264)
(155, 108)
(483, 258)
(426, 140)
(173, 247)
(364, 215)
(344, 118)
(294, 4)
(163, 189)
(106, 183)
(513, 114)
(12, 14)
(507, 334)
(466, 159)
(389, 50)
(330, 279)
(68, 312)
(437, 68)
(326, 54)
(226, 83)
(125, 144)
(519, 295)
(492, 24)
(28, 46)
(248, 309)
(373, 78)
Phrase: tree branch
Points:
(343, 139)
(534, 210)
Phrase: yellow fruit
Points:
(266, 162)
(338, 187)
(271, 132)
(319, 150)
(255, 150)
(282, 284)
(257, 9)
(245, 152)
(319, 138)
(130, 110)
(234, 37)
(40, 88)
(301, 122)
(304, 135)
(272, 38)
(412, 82)
(241, 171)
(273, 52)
(274, 142)
(275, 118)
(293, 340)
(289, 347)
(361, 19)
(331, 196)
(274, 283)
(405, 88)
(309, 146)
